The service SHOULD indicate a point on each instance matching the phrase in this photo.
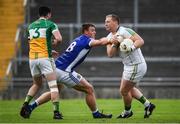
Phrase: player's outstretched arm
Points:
(100, 42)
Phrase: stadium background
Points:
(157, 21)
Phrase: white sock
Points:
(37, 102)
(127, 111)
(146, 104)
(95, 111)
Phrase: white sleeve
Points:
(125, 33)
(55, 30)
(91, 41)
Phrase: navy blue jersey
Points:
(74, 54)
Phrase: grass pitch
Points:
(76, 111)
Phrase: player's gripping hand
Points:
(55, 54)
(115, 40)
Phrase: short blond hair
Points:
(114, 17)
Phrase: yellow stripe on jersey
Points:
(38, 48)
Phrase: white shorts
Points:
(69, 79)
(135, 72)
(41, 66)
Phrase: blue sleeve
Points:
(87, 43)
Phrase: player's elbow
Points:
(142, 42)
(139, 43)
(110, 55)
(59, 38)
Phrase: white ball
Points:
(126, 45)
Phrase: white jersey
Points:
(134, 57)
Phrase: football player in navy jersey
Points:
(73, 56)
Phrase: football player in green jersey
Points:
(41, 61)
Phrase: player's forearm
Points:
(100, 42)
(111, 50)
(57, 37)
(104, 41)
(139, 43)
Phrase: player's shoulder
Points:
(83, 37)
(38, 24)
(46, 22)
(50, 22)
(32, 25)
(122, 28)
(126, 30)
(83, 40)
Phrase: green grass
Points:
(76, 111)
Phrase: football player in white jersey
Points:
(73, 56)
(134, 64)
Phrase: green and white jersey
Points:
(131, 58)
(40, 34)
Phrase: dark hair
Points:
(43, 11)
(86, 26)
(114, 17)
